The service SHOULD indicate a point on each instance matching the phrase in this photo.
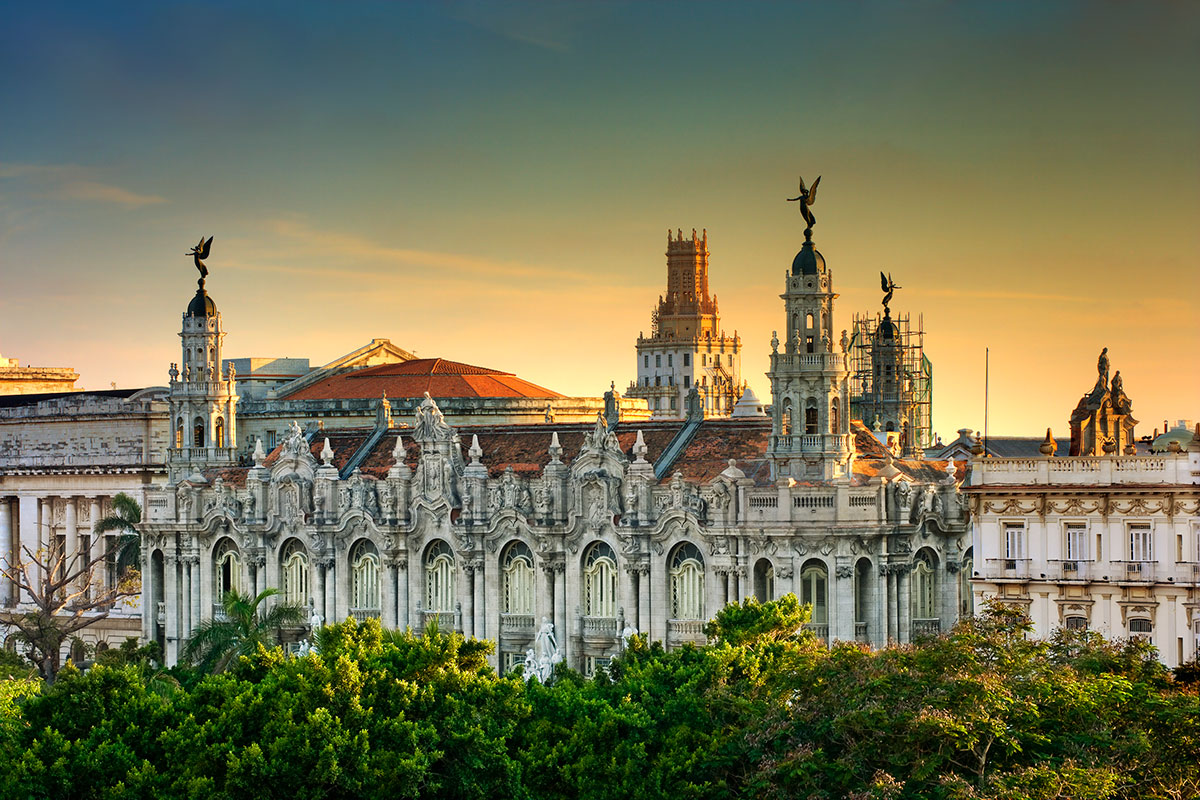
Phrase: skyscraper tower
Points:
(810, 436)
(686, 346)
(203, 403)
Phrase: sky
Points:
(493, 182)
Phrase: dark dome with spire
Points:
(808, 261)
(887, 329)
(202, 305)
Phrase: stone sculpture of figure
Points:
(1102, 364)
(431, 423)
(387, 499)
(315, 620)
(249, 505)
(845, 341)
(721, 496)
(187, 373)
(889, 287)
(806, 198)
(931, 499)
(774, 341)
(545, 653)
(541, 501)
(294, 443)
(903, 494)
(198, 252)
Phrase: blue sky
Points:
(492, 182)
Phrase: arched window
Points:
(966, 600)
(687, 582)
(179, 433)
(364, 577)
(219, 432)
(517, 562)
(810, 416)
(814, 581)
(1076, 623)
(808, 321)
(862, 586)
(227, 568)
(924, 581)
(1140, 627)
(764, 581)
(439, 577)
(785, 417)
(293, 574)
(600, 581)
(833, 417)
(198, 432)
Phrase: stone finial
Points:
(732, 472)
(1109, 446)
(977, 446)
(556, 450)
(326, 453)
(1048, 447)
(774, 341)
(398, 451)
(475, 451)
(640, 449)
(260, 455)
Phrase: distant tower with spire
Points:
(686, 347)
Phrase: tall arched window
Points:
(600, 581)
(179, 433)
(814, 581)
(862, 585)
(198, 432)
(966, 599)
(764, 580)
(834, 419)
(219, 432)
(810, 416)
(293, 574)
(227, 568)
(517, 563)
(364, 577)
(923, 587)
(687, 582)
(439, 577)
(785, 417)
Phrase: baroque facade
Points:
(597, 529)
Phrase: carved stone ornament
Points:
(844, 571)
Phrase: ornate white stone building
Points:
(1100, 541)
(596, 528)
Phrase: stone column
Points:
(197, 590)
(331, 609)
(893, 627)
(844, 592)
(185, 610)
(98, 576)
(71, 520)
(560, 606)
(480, 602)
(904, 605)
(877, 629)
(318, 588)
(628, 596)
(402, 618)
(27, 509)
(6, 548)
(468, 601)
(171, 596)
(388, 601)
(643, 578)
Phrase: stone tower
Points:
(203, 403)
(810, 436)
(686, 346)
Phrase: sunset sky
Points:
(493, 183)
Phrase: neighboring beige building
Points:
(1101, 541)
(686, 346)
(15, 379)
(62, 459)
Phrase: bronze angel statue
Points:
(807, 197)
(889, 286)
(199, 252)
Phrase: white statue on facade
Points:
(541, 658)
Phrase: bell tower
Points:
(810, 435)
(202, 401)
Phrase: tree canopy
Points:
(764, 711)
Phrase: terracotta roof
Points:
(718, 440)
(441, 378)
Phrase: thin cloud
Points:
(77, 183)
(102, 192)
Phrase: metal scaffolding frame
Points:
(913, 396)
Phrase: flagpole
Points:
(986, 365)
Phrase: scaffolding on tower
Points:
(891, 378)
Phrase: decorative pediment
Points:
(294, 456)
(601, 452)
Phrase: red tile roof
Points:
(439, 377)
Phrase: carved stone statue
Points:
(932, 501)
(806, 198)
(431, 423)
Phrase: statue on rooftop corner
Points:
(890, 287)
(198, 252)
(807, 197)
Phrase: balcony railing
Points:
(1071, 570)
(516, 623)
(819, 629)
(444, 619)
(860, 632)
(161, 615)
(926, 627)
(685, 628)
(1012, 568)
(1134, 571)
(363, 614)
(218, 613)
(599, 626)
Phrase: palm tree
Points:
(240, 630)
(128, 551)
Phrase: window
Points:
(687, 359)
(1140, 627)
(687, 382)
(810, 417)
(1075, 623)
(764, 581)
(294, 574)
(923, 587)
(1014, 542)
(198, 433)
(1076, 541)
(364, 577)
(228, 568)
(808, 343)
(658, 361)
(673, 402)
(271, 440)
(670, 359)
(646, 361)
(862, 577)
(439, 577)
(657, 380)
(813, 582)
(833, 417)
(1141, 546)
(670, 380)
(179, 433)
(703, 360)
(687, 582)
(219, 432)
(518, 579)
(600, 581)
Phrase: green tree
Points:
(239, 630)
(127, 554)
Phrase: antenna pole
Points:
(986, 365)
